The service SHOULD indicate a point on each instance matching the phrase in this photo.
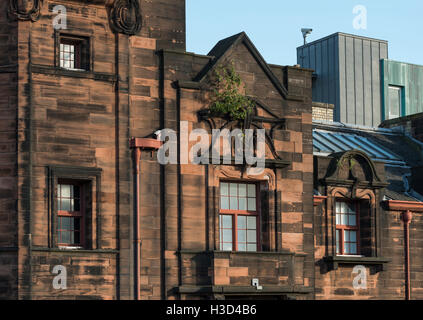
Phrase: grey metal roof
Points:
(328, 142)
(348, 35)
(398, 151)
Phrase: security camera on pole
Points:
(306, 32)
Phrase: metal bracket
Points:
(256, 283)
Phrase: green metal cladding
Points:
(407, 76)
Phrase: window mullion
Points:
(235, 231)
(341, 240)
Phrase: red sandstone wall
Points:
(190, 191)
(72, 120)
(8, 151)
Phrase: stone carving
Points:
(25, 9)
(125, 16)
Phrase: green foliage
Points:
(227, 99)
(350, 161)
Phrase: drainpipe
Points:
(407, 217)
(137, 240)
(138, 145)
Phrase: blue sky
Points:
(274, 25)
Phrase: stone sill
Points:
(272, 289)
(269, 163)
(9, 249)
(257, 254)
(75, 250)
(335, 261)
(73, 73)
(9, 69)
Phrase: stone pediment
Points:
(353, 168)
(225, 48)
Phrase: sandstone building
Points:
(81, 187)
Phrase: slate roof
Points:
(398, 151)
(332, 142)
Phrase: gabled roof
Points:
(225, 45)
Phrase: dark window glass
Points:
(69, 214)
(74, 53)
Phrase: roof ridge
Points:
(351, 127)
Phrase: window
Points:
(239, 217)
(70, 212)
(74, 53)
(347, 228)
(75, 207)
(395, 102)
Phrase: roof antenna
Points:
(306, 32)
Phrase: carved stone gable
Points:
(25, 9)
(125, 17)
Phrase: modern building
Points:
(347, 75)
(83, 195)
(402, 89)
(354, 74)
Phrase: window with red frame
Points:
(347, 228)
(70, 214)
(239, 217)
(74, 53)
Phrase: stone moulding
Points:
(377, 262)
(26, 10)
(125, 17)
(43, 69)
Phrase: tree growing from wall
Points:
(228, 101)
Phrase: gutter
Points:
(137, 145)
(407, 208)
